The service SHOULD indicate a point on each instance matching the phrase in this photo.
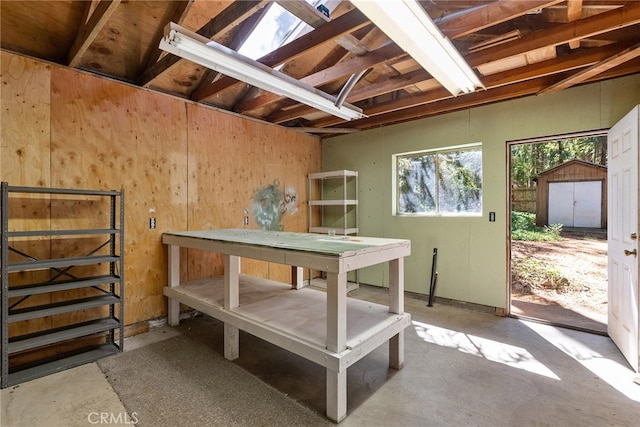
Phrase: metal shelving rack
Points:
(349, 184)
(105, 289)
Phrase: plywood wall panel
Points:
(236, 164)
(24, 142)
(24, 161)
(110, 136)
(187, 166)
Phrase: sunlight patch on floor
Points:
(494, 351)
(617, 375)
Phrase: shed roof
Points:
(573, 162)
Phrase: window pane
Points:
(446, 182)
(460, 182)
(416, 184)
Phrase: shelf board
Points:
(67, 191)
(339, 231)
(333, 174)
(59, 365)
(294, 319)
(349, 202)
(52, 336)
(73, 232)
(61, 307)
(46, 287)
(60, 262)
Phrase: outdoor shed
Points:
(573, 194)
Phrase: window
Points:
(283, 25)
(443, 182)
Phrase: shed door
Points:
(575, 204)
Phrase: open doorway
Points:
(558, 241)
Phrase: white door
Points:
(587, 204)
(575, 204)
(622, 236)
(561, 203)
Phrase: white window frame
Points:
(434, 151)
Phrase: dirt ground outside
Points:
(575, 280)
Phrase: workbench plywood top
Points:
(339, 246)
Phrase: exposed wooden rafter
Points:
(517, 48)
(344, 24)
(99, 15)
(602, 66)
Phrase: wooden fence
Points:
(523, 199)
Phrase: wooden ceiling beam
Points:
(376, 89)
(574, 12)
(231, 16)
(303, 10)
(476, 99)
(455, 27)
(340, 26)
(351, 66)
(502, 93)
(587, 27)
(179, 14)
(602, 66)
(90, 29)
(555, 66)
(476, 19)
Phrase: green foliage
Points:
(534, 272)
(523, 227)
(529, 160)
(440, 182)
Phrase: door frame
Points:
(508, 145)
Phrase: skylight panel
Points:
(276, 28)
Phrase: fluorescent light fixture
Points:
(408, 25)
(196, 48)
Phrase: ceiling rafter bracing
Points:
(546, 68)
(91, 28)
(181, 11)
(456, 26)
(588, 27)
(229, 17)
(342, 69)
(477, 19)
(502, 93)
(558, 42)
(602, 66)
(343, 24)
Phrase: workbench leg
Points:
(396, 351)
(173, 315)
(336, 395)
(231, 342)
(396, 305)
(231, 301)
(336, 312)
(297, 277)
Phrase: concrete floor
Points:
(463, 367)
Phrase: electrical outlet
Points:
(492, 217)
(152, 223)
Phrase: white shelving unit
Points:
(346, 218)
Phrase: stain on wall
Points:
(271, 203)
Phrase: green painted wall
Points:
(472, 252)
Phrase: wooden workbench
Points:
(327, 328)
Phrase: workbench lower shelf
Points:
(294, 319)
